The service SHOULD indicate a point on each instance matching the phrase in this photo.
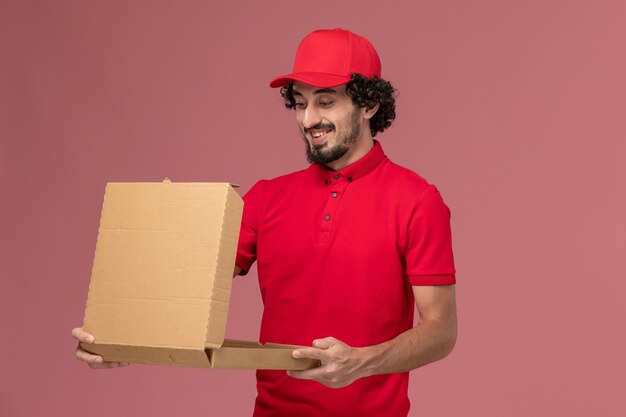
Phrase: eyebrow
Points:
(318, 91)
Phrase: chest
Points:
(346, 221)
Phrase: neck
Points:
(364, 145)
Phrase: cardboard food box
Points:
(162, 275)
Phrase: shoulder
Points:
(410, 191)
(278, 184)
(403, 180)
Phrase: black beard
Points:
(316, 153)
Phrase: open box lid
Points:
(163, 269)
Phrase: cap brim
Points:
(316, 79)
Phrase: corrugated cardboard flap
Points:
(162, 273)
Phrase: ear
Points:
(368, 113)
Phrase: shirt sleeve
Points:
(428, 256)
(246, 247)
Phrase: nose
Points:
(310, 117)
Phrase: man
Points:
(345, 247)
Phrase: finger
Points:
(108, 365)
(79, 334)
(311, 353)
(314, 373)
(97, 362)
(88, 357)
(324, 343)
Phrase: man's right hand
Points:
(94, 361)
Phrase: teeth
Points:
(318, 134)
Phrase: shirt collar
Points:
(355, 170)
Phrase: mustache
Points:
(320, 126)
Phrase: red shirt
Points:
(337, 253)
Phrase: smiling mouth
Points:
(319, 135)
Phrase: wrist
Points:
(370, 359)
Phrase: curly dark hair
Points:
(365, 92)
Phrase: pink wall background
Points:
(515, 109)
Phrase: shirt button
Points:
(334, 195)
(336, 177)
(327, 217)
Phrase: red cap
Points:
(327, 58)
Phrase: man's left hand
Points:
(341, 364)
